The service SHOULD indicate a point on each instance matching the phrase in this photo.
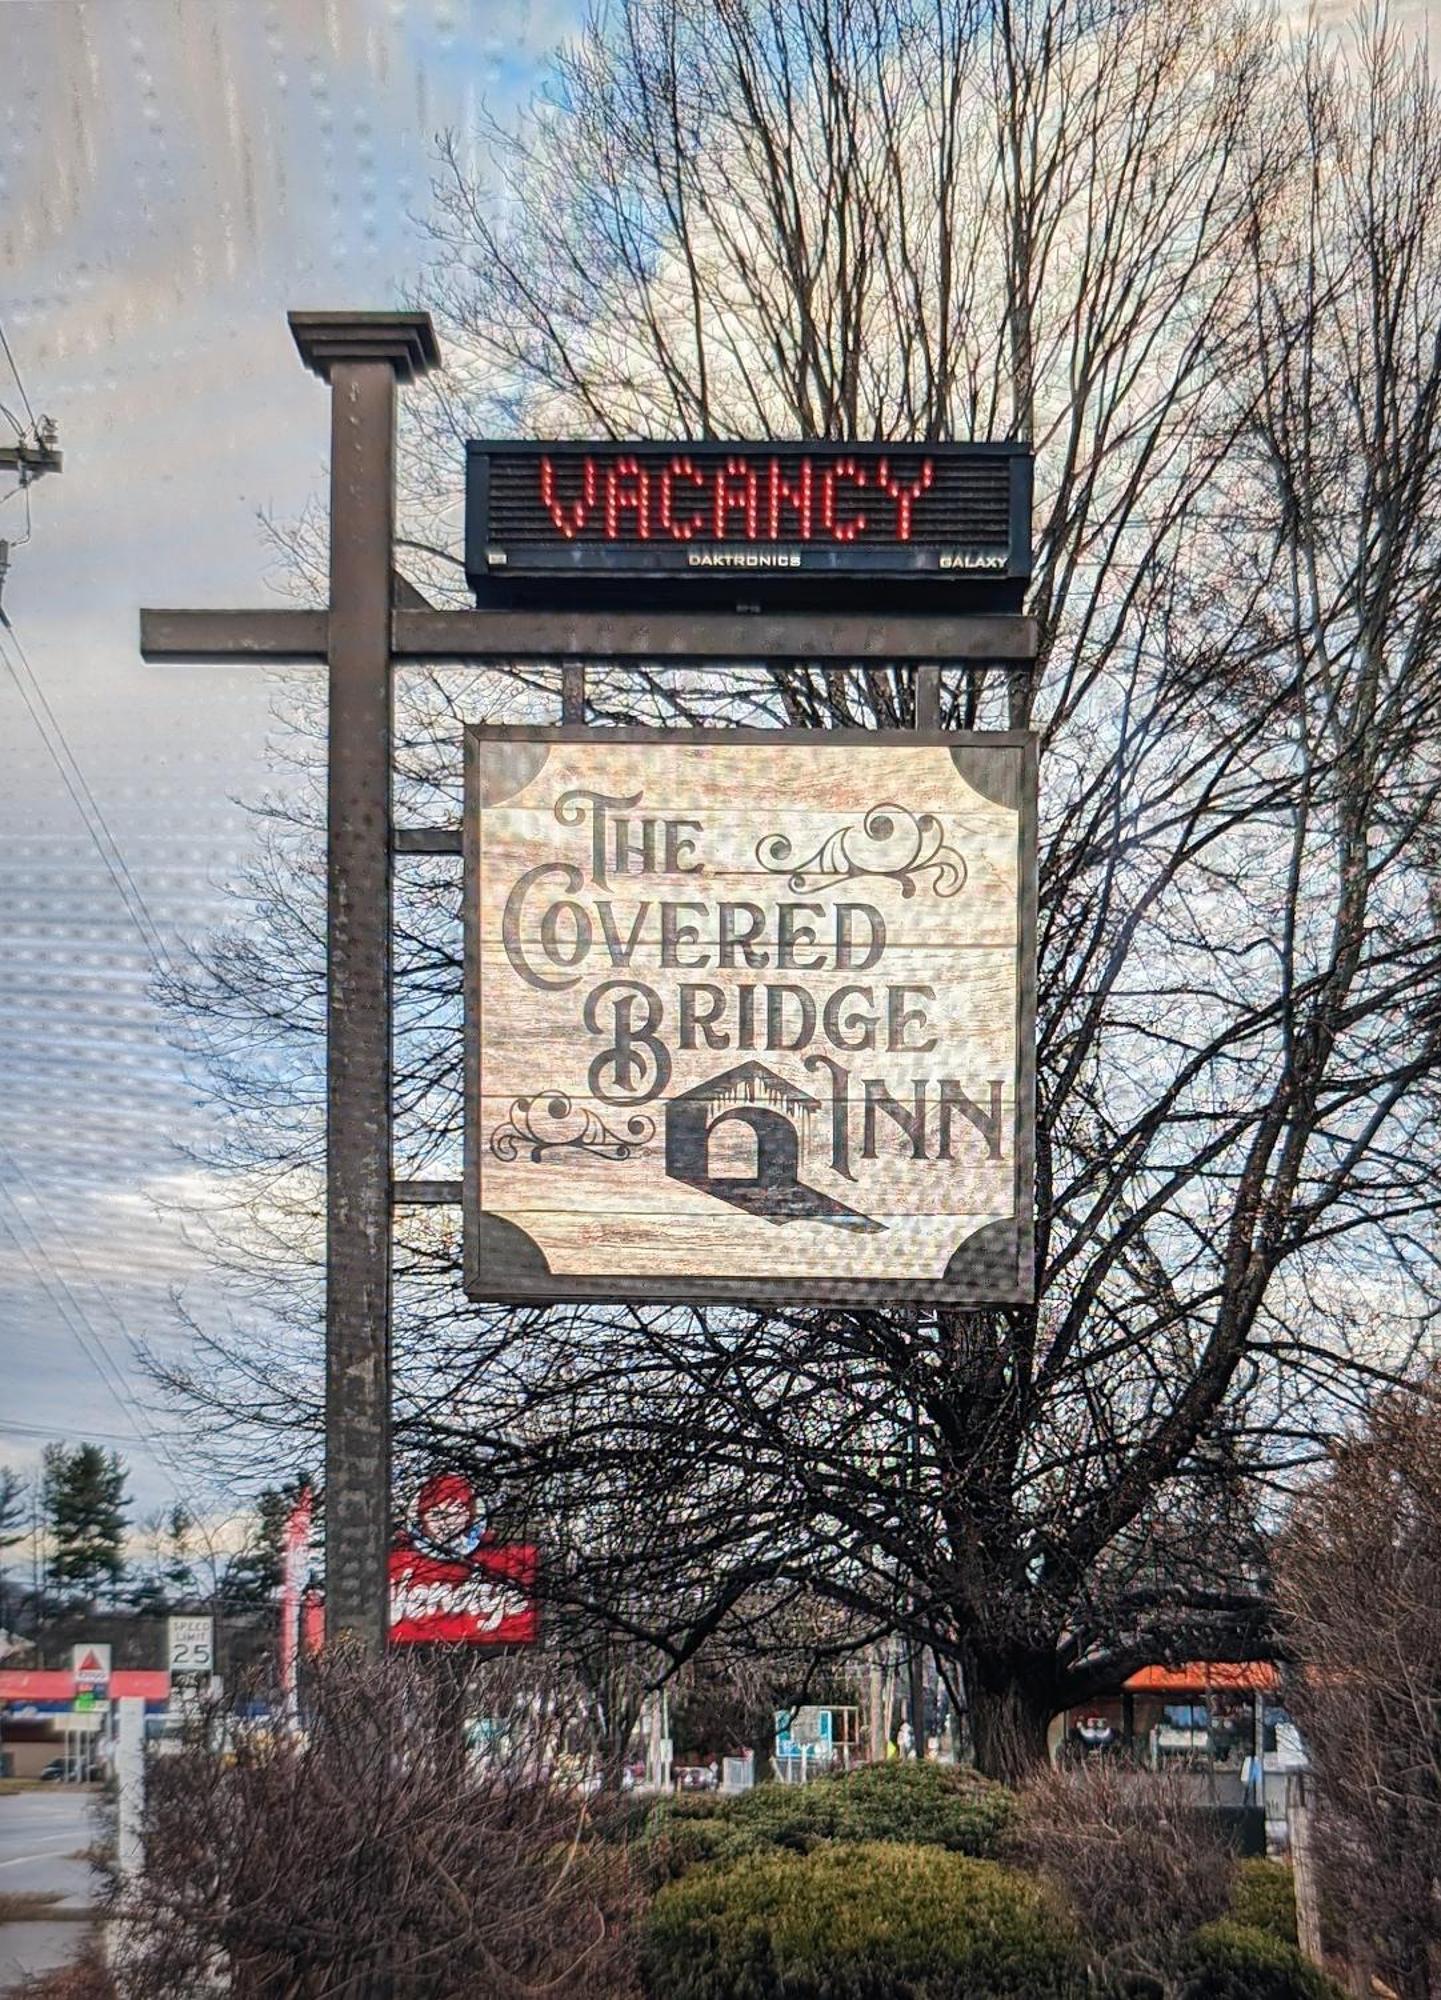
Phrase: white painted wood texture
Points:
(590, 1212)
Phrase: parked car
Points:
(80, 1771)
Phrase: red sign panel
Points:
(483, 1599)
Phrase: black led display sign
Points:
(545, 520)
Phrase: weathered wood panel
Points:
(749, 1015)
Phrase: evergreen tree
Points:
(12, 1507)
(84, 1498)
(253, 1575)
(13, 1524)
(168, 1577)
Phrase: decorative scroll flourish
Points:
(889, 841)
(552, 1124)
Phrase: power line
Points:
(74, 1321)
(109, 1373)
(10, 1428)
(83, 798)
(16, 373)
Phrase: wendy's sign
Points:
(772, 517)
(750, 1015)
(450, 1584)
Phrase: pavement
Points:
(39, 1831)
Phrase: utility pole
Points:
(33, 454)
(30, 456)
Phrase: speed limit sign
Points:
(192, 1645)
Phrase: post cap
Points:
(405, 339)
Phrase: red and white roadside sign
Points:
(485, 1599)
(90, 1665)
(450, 1584)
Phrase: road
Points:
(39, 1832)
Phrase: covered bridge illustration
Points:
(749, 1095)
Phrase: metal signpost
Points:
(957, 570)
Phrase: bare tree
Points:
(1199, 267)
(1359, 1579)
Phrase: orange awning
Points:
(1197, 1676)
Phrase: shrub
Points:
(1137, 1861)
(85, 1978)
(940, 1805)
(1231, 1961)
(368, 1855)
(933, 1805)
(871, 1922)
(671, 1844)
(1263, 1898)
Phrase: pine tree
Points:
(13, 1523)
(166, 1580)
(84, 1498)
(253, 1575)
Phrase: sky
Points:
(174, 175)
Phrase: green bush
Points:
(697, 1805)
(1263, 1898)
(932, 1805)
(1231, 1961)
(673, 1843)
(881, 1921)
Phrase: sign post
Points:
(968, 615)
(361, 357)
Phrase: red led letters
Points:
(736, 499)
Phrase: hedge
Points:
(1264, 1899)
(1231, 1961)
(937, 1805)
(877, 1921)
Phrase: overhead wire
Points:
(52, 734)
(62, 1296)
(86, 804)
(14, 370)
(57, 1287)
(9, 1427)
